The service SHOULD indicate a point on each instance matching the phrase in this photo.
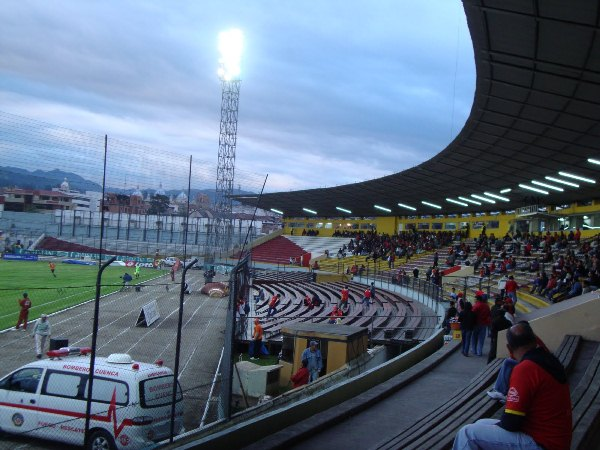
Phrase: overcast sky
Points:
(332, 92)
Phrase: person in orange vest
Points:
(25, 304)
(257, 339)
(52, 268)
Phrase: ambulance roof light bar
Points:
(69, 351)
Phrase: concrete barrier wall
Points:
(578, 315)
(248, 431)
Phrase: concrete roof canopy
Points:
(535, 114)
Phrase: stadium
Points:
(513, 197)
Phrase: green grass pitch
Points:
(72, 285)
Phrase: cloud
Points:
(332, 92)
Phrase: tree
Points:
(159, 204)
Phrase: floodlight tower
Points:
(230, 48)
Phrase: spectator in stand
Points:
(316, 301)
(372, 289)
(467, 319)
(551, 285)
(482, 311)
(366, 300)
(538, 409)
(315, 265)
(260, 297)
(450, 315)
(273, 303)
(344, 295)
(576, 288)
(300, 378)
(416, 272)
(307, 301)
(511, 288)
(334, 315)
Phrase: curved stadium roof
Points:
(536, 112)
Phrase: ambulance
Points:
(130, 408)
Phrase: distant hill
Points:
(41, 179)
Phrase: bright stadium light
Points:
(402, 205)
(505, 191)
(382, 208)
(594, 161)
(576, 177)
(546, 185)
(457, 202)
(499, 197)
(561, 181)
(433, 205)
(277, 211)
(230, 47)
(531, 188)
(469, 200)
(309, 211)
(483, 199)
(347, 211)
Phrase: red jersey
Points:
(511, 286)
(345, 294)
(368, 293)
(544, 404)
(483, 313)
(300, 378)
(25, 304)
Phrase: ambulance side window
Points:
(25, 380)
(62, 384)
(104, 390)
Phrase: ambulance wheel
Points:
(100, 440)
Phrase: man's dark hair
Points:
(520, 335)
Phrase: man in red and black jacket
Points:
(538, 403)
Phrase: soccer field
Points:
(72, 285)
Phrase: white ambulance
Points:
(131, 407)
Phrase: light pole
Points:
(230, 48)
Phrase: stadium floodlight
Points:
(230, 47)
(433, 205)
(469, 200)
(546, 185)
(309, 211)
(277, 211)
(382, 208)
(347, 211)
(531, 188)
(558, 180)
(402, 205)
(499, 197)
(594, 161)
(576, 177)
(505, 191)
(457, 202)
(483, 199)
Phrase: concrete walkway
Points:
(385, 418)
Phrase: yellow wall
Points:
(391, 225)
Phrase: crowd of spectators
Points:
(404, 244)
(563, 265)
